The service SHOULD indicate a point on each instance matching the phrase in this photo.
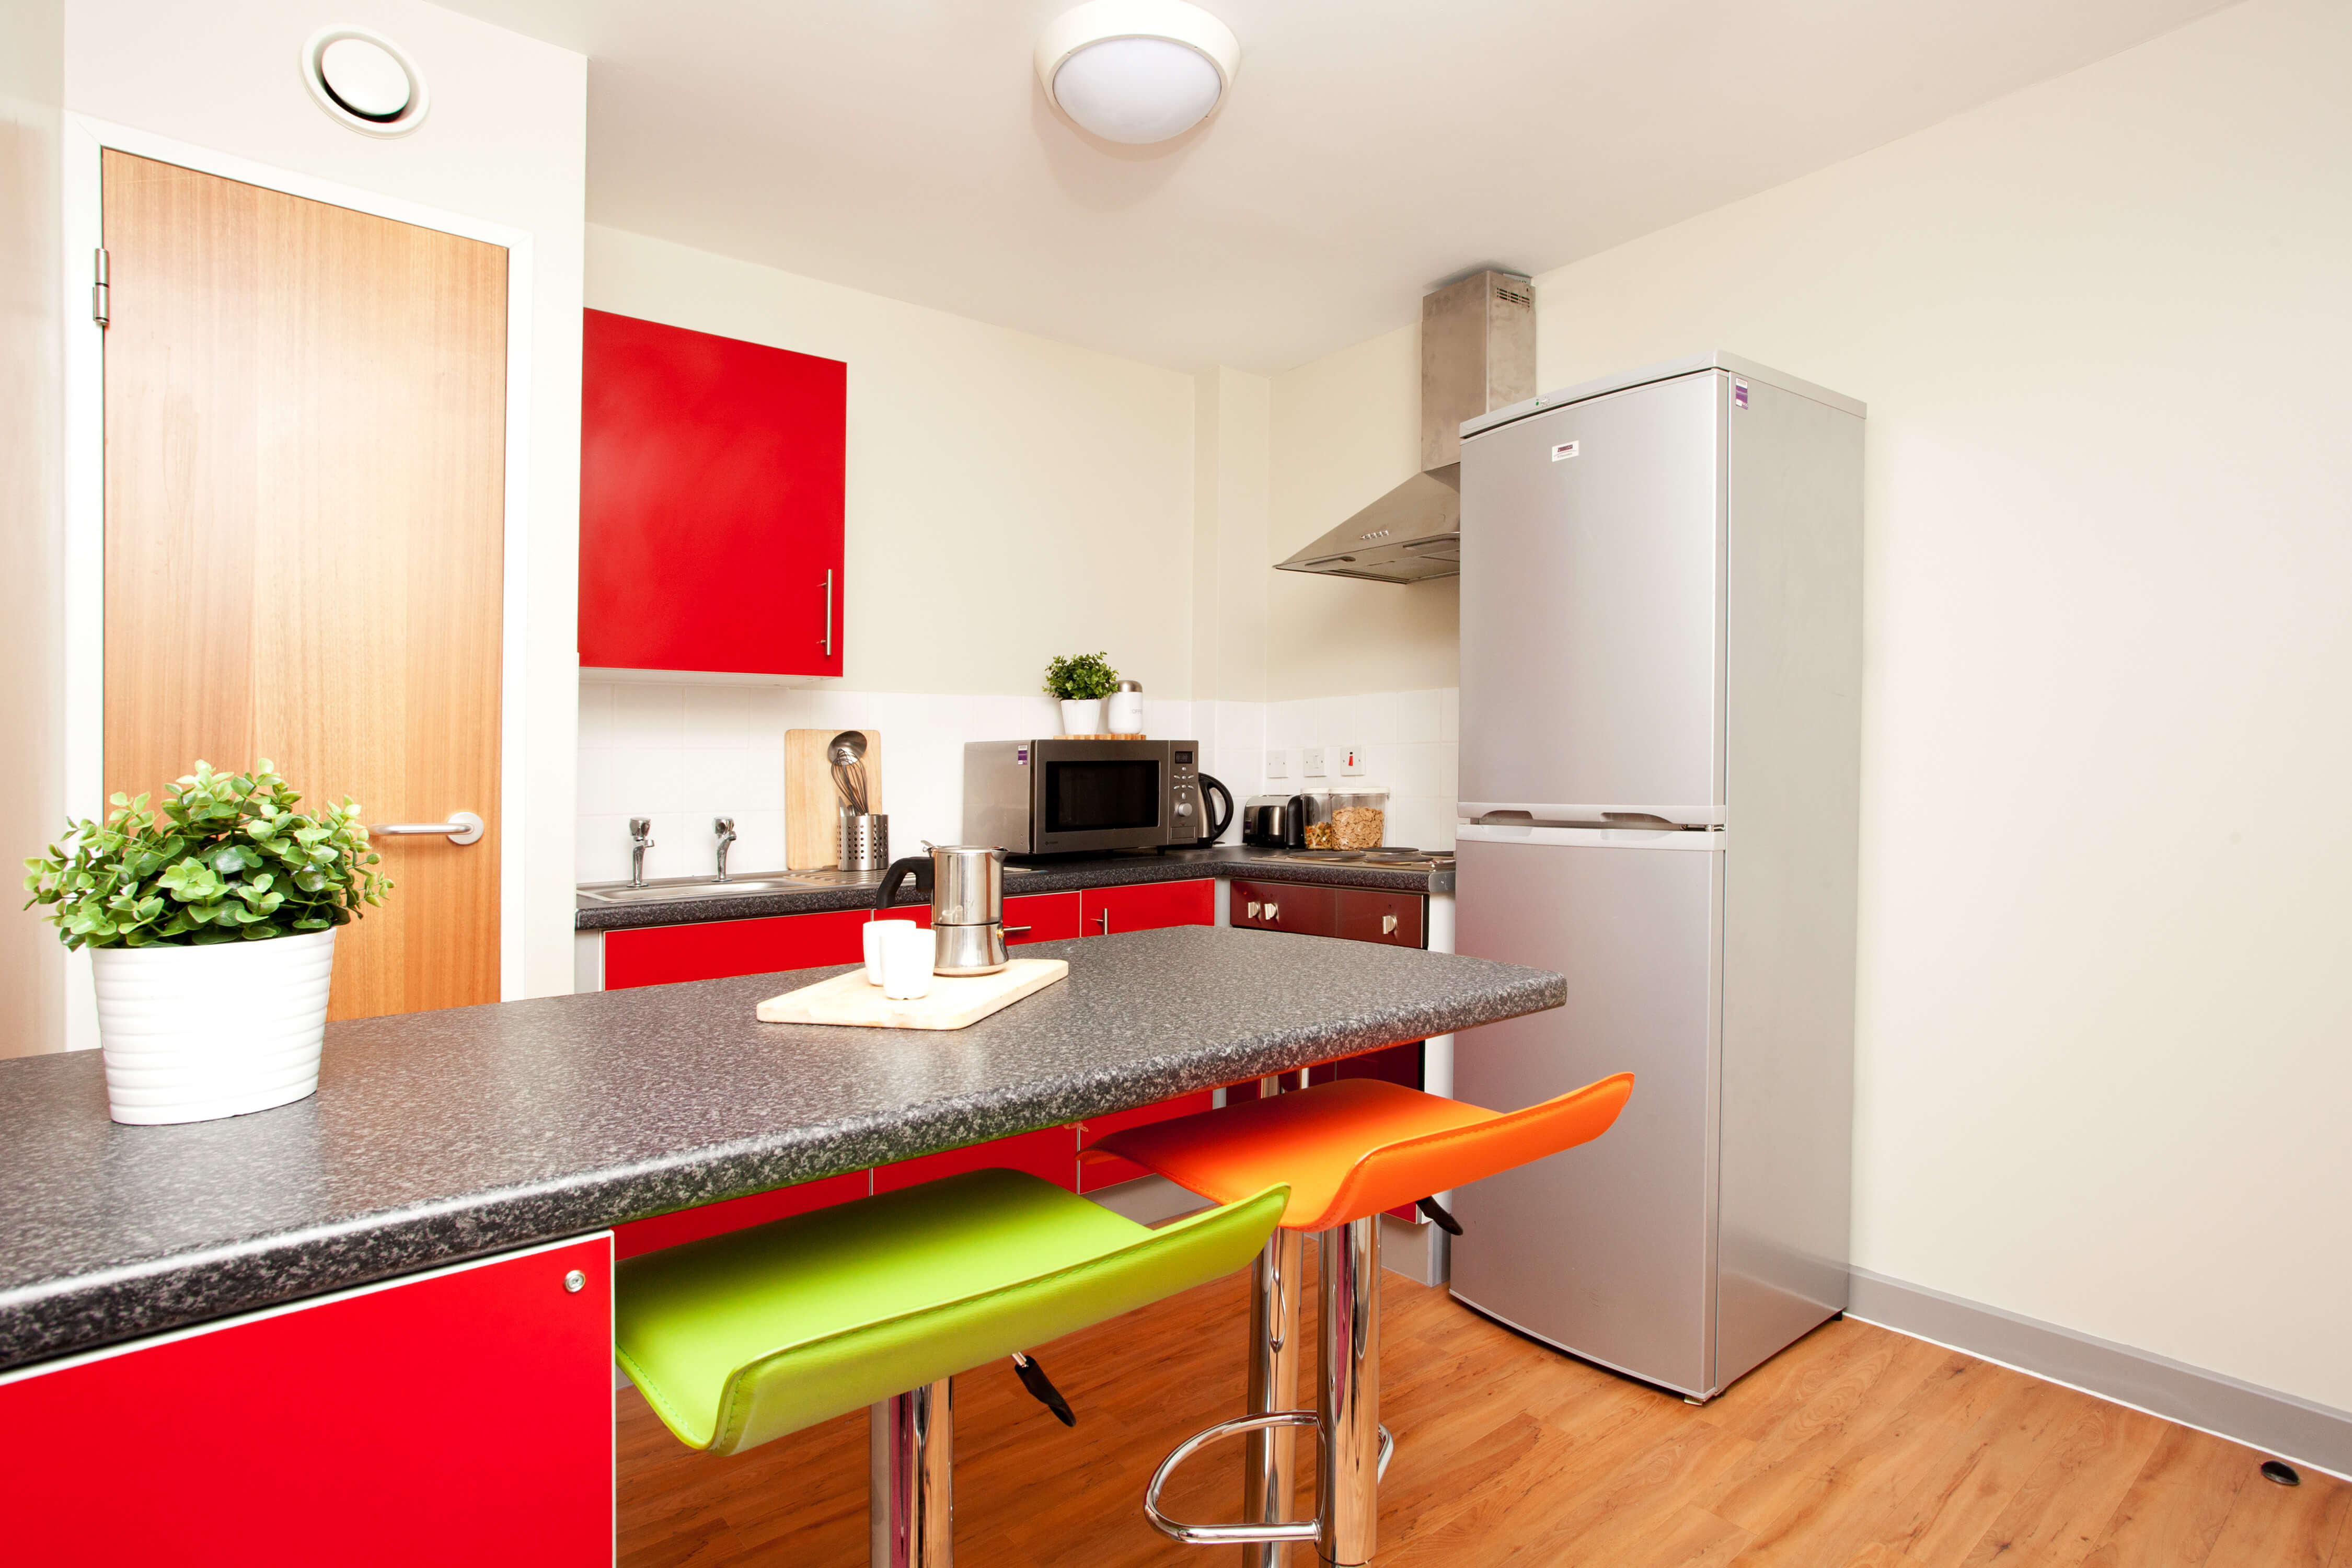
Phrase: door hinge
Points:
(97, 292)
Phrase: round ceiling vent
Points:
(366, 82)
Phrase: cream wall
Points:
(1010, 497)
(506, 143)
(32, 296)
(2100, 328)
(1344, 431)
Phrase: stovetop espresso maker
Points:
(967, 888)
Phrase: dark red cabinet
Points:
(1294, 907)
(711, 484)
(463, 1416)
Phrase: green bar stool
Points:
(741, 1338)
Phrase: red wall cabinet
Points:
(711, 481)
(664, 955)
(463, 1416)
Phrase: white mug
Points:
(907, 954)
(874, 934)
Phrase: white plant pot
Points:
(1083, 717)
(190, 1033)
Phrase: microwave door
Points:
(1098, 795)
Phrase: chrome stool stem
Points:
(1270, 1465)
(911, 1501)
(1348, 1404)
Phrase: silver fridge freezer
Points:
(1661, 673)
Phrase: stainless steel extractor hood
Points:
(1478, 355)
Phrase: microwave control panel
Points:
(1186, 819)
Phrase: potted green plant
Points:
(211, 927)
(1081, 680)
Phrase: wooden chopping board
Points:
(956, 1002)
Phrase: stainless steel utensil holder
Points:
(863, 842)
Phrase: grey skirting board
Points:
(2280, 1424)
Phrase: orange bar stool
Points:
(1347, 1150)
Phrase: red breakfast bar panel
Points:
(460, 1417)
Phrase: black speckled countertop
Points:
(439, 1136)
(1043, 877)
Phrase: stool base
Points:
(1353, 1449)
(911, 1474)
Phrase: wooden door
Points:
(305, 497)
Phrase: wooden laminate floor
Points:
(1856, 1446)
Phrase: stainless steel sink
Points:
(669, 890)
(674, 890)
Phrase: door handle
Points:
(463, 827)
(828, 639)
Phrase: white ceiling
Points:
(1370, 148)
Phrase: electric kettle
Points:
(967, 888)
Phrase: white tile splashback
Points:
(683, 754)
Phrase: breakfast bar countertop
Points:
(436, 1137)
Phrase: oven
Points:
(1069, 796)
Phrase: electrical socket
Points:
(1351, 760)
(1310, 761)
(1277, 764)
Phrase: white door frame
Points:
(84, 658)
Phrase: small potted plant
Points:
(1081, 680)
(211, 928)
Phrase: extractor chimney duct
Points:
(1478, 355)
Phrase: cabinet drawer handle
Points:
(1388, 925)
(1104, 917)
(1018, 930)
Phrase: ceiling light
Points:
(1137, 70)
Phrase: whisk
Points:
(848, 753)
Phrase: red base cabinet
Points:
(459, 1417)
(716, 950)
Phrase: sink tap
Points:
(641, 838)
(725, 827)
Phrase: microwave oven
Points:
(1070, 796)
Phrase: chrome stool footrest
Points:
(1226, 1534)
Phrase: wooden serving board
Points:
(956, 1001)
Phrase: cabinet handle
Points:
(1104, 917)
(828, 612)
(1018, 930)
(1388, 925)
